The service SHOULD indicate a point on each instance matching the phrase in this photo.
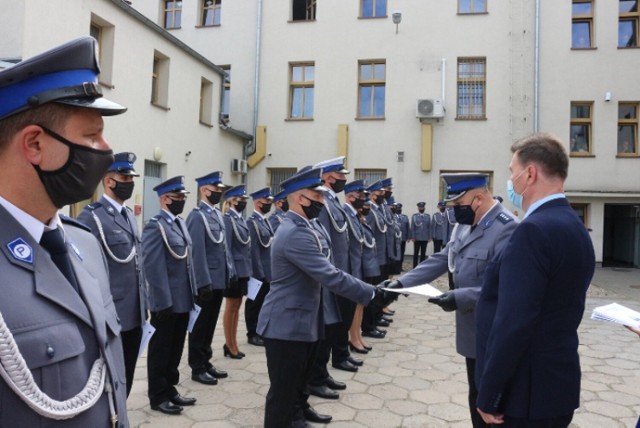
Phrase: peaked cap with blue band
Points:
(215, 179)
(375, 186)
(172, 185)
(391, 201)
(306, 178)
(67, 74)
(387, 182)
(280, 196)
(262, 193)
(457, 184)
(237, 191)
(333, 165)
(123, 164)
(355, 186)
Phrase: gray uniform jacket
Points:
(421, 227)
(375, 220)
(440, 226)
(276, 219)
(397, 240)
(390, 221)
(403, 222)
(291, 310)
(355, 242)
(118, 238)
(211, 261)
(330, 309)
(334, 220)
(168, 264)
(59, 333)
(469, 252)
(370, 265)
(261, 238)
(238, 243)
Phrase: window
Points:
(172, 11)
(371, 89)
(580, 134)
(206, 101)
(472, 6)
(582, 210)
(628, 24)
(226, 95)
(277, 176)
(370, 176)
(103, 32)
(211, 13)
(373, 8)
(472, 86)
(303, 10)
(301, 87)
(160, 80)
(628, 129)
(582, 24)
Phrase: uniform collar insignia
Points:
(21, 251)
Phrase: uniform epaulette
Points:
(155, 218)
(92, 206)
(72, 221)
(504, 218)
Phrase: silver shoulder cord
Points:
(435, 218)
(360, 238)
(450, 261)
(235, 232)
(127, 259)
(384, 226)
(334, 224)
(268, 244)
(166, 243)
(315, 235)
(371, 244)
(16, 374)
(208, 229)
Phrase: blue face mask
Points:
(515, 198)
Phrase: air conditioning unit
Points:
(429, 109)
(238, 166)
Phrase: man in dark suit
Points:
(212, 271)
(116, 228)
(60, 328)
(291, 320)
(533, 298)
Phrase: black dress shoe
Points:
(179, 400)
(356, 362)
(323, 391)
(311, 415)
(227, 353)
(382, 323)
(218, 374)
(358, 350)
(334, 384)
(381, 330)
(368, 348)
(255, 340)
(167, 407)
(388, 312)
(345, 365)
(204, 378)
(387, 319)
(375, 334)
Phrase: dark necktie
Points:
(124, 214)
(53, 242)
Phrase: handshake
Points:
(384, 298)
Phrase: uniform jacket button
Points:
(50, 351)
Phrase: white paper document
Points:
(147, 332)
(193, 316)
(253, 288)
(618, 314)
(423, 290)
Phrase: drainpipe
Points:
(250, 148)
(443, 69)
(536, 70)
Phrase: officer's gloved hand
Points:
(383, 298)
(447, 301)
(388, 283)
(164, 314)
(205, 294)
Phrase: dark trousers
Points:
(419, 247)
(288, 363)
(437, 245)
(200, 352)
(130, 348)
(340, 341)
(164, 354)
(252, 309)
(319, 373)
(557, 422)
(476, 419)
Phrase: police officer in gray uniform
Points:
(439, 227)
(116, 228)
(279, 214)
(167, 260)
(484, 229)
(420, 233)
(61, 363)
(404, 225)
(212, 270)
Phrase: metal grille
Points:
(471, 88)
(277, 176)
(152, 169)
(370, 175)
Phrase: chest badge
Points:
(21, 250)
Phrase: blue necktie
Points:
(53, 242)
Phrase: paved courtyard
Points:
(414, 377)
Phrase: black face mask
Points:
(312, 211)
(441, 209)
(387, 194)
(365, 211)
(123, 190)
(421, 210)
(240, 206)
(285, 206)
(176, 207)
(398, 211)
(214, 197)
(357, 204)
(78, 178)
(265, 208)
(464, 214)
(379, 199)
(338, 186)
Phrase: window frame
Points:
(369, 175)
(583, 18)
(372, 83)
(160, 80)
(472, 10)
(215, 8)
(281, 173)
(634, 123)
(467, 81)
(302, 84)
(106, 35)
(373, 9)
(311, 10)
(634, 18)
(580, 121)
(226, 94)
(585, 210)
(175, 11)
(205, 113)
